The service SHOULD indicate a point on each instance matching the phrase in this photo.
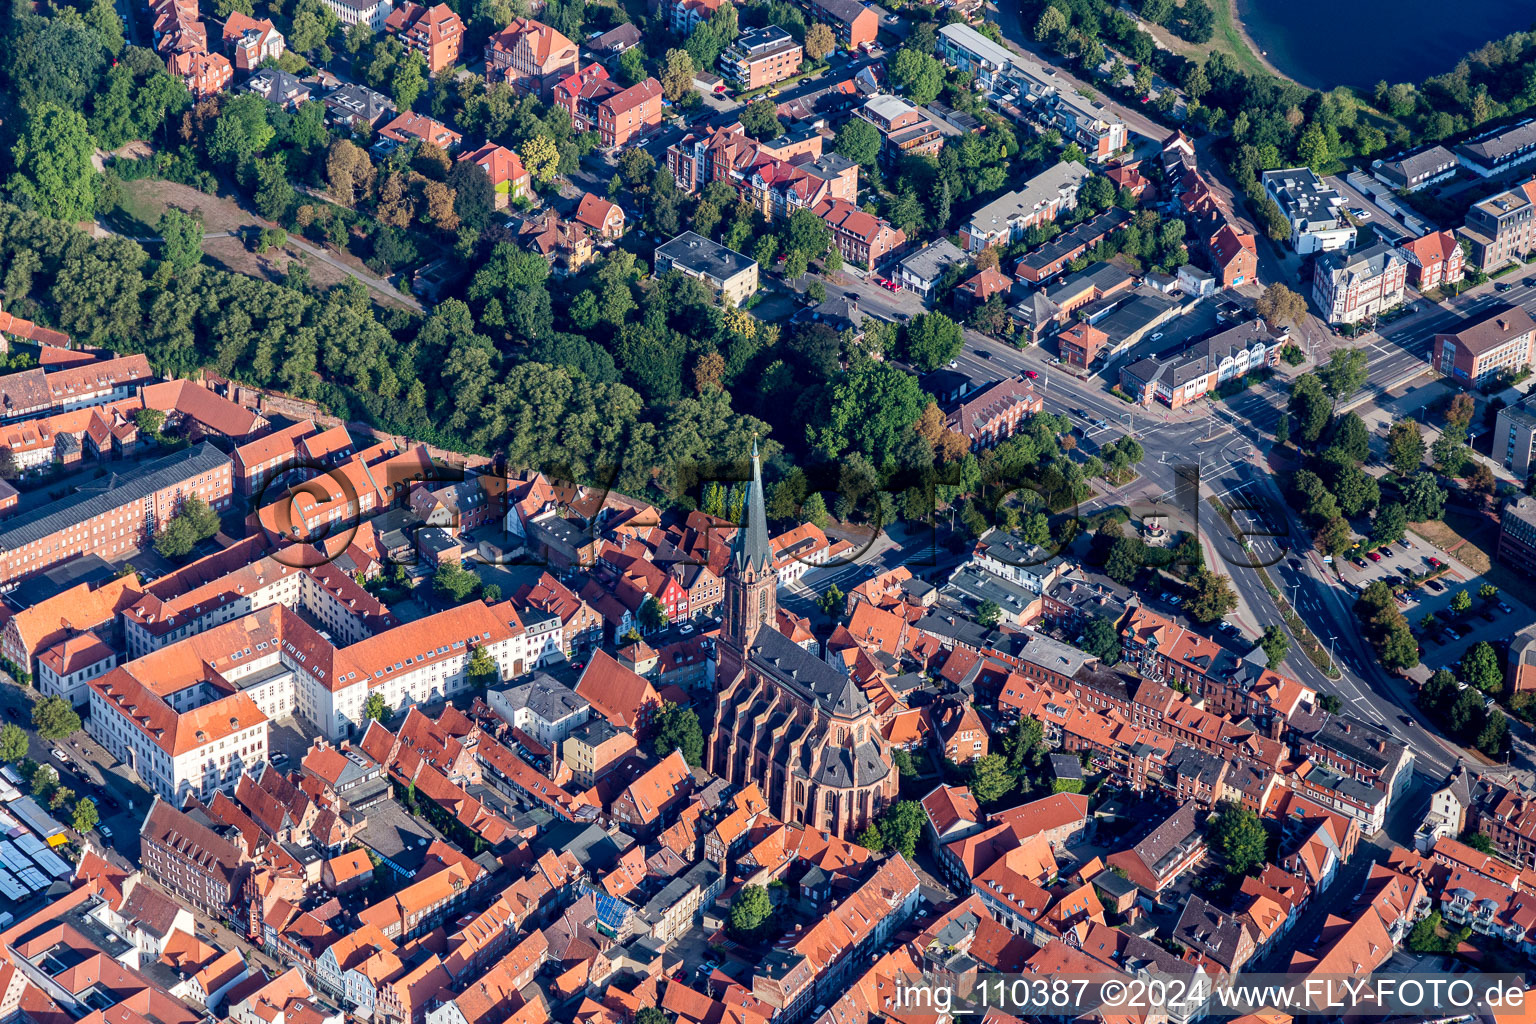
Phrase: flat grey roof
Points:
(702, 256)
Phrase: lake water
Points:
(1326, 43)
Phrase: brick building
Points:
(191, 860)
(116, 519)
(435, 32)
(996, 412)
(597, 103)
(1433, 260)
(1503, 340)
(864, 239)
(760, 57)
(530, 56)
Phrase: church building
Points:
(783, 718)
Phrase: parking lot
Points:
(1443, 646)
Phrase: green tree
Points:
(1349, 438)
(871, 411)
(1280, 305)
(1311, 408)
(652, 615)
(274, 192)
(632, 66)
(819, 41)
(1125, 560)
(541, 157)
(1051, 23)
(1423, 497)
(988, 614)
(13, 742)
(1488, 592)
(760, 119)
(1213, 596)
(1102, 640)
(751, 911)
(990, 779)
(814, 510)
(193, 523)
(1238, 835)
(482, 668)
(182, 235)
(1312, 148)
(375, 707)
(1405, 447)
(1276, 645)
(1461, 602)
(677, 728)
(1465, 716)
(901, 827)
(1480, 667)
(55, 175)
(456, 582)
(1494, 736)
(1037, 529)
(45, 780)
(918, 75)
(929, 340)
(86, 816)
(409, 81)
(677, 75)
(1345, 372)
(54, 718)
(859, 141)
(831, 602)
(1389, 524)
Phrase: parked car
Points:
(1452, 633)
(1374, 556)
(1434, 585)
(1435, 563)
(1362, 563)
(1175, 600)
(1506, 609)
(106, 833)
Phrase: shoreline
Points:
(1238, 25)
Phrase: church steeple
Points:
(750, 549)
(751, 585)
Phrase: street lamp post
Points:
(1331, 663)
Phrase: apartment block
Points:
(730, 274)
(1314, 211)
(1514, 437)
(761, 57)
(435, 32)
(1043, 197)
(1517, 535)
(904, 129)
(1433, 260)
(1501, 229)
(531, 57)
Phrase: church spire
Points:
(752, 551)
